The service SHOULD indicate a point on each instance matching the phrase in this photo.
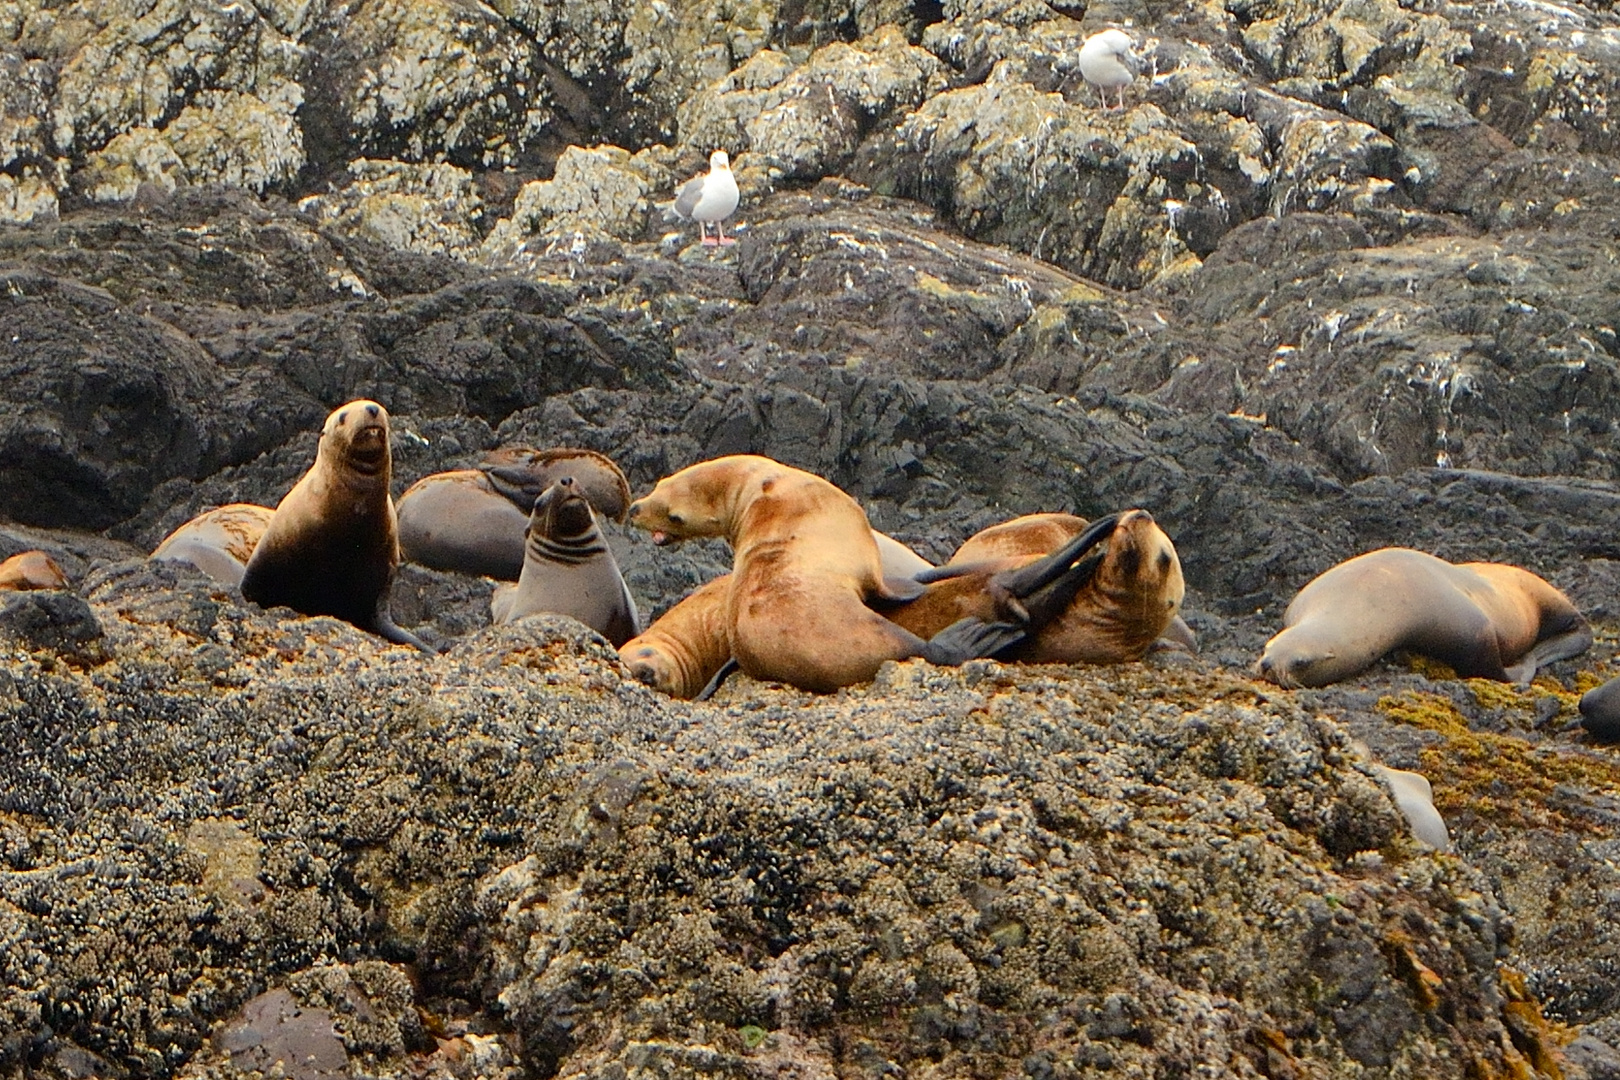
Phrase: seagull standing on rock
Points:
(710, 199)
(1107, 63)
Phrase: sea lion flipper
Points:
(720, 677)
(1026, 580)
(516, 483)
(896, 591)
(389, 630)
(1563, 646)
(969, 639)
(950, 570)
(1178, 635)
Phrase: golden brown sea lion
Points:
(28, 570)
(331, 547)
(218, 542)
(806, 567)
(473, 521)
(569, 569)
(1112, 612)
(685, 648)
(1485, 620)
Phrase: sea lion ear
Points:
(766, 485)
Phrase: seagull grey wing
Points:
(1133, 64)
(687, 199)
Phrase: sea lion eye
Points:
(1164, 560)
(342, 416)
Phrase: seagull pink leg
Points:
(720, 228)
(703, 230)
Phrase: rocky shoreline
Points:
(1339, 276)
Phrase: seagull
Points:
(710, 199)
(1107, 63)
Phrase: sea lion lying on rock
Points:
(28, 570)
(1485, 620)
(218, 542)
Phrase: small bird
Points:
(1107, 63)
(710, 199)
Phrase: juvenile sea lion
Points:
(806, 567)
(473, 521)
(1485, 620)
(569, 569)
(218, 542)
(685, 648)
(1112, 608)
(331, 547)
(31, 570)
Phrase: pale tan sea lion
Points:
(806, 566)
(1414, 798)
(1113, 611)
(29, 570)
(473, 521)
(898, 560)
(218, 542)
(569, 569)
(1485, 620)
(685, 648)
(331, 547)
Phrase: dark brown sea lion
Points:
(569, 569)
(331, 546)
(1486, 620)
(218, 542)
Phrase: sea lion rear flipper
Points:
(1026, 580)
(969, 639)
(719, 677)
(517, 483)
(1563, 646)
(1178, 635)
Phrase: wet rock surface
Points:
(1339, 276)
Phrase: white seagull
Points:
(1107, 63)
(710, 199)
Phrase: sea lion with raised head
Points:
(331, 546)
(1485, 620)
(568, 569)
(219, 542)
(28, 570)
(473, 521)
(806, 568)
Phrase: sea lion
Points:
(1600, 711)
(473, 521)
(806, 567)
(28, 570)
(1113, 608)
(898, 560)
(331, 547)
(685, 648)
(1414, 798)
(1040, 534)
(218, 542)
(569, 569)
(1485, 620)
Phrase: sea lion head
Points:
(701, 499)
(1142, 570)
(356, 438)
(653, 667)
(562, 512)
(1288, 660)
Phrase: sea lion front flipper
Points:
(1569, 644)
(1178, 635)
(386, 627)
(720, 677)
(1026, 580)
(895, 592)
(970, 639)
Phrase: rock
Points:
(52, 620)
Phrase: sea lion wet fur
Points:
(331, 546)
(1485, 620)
